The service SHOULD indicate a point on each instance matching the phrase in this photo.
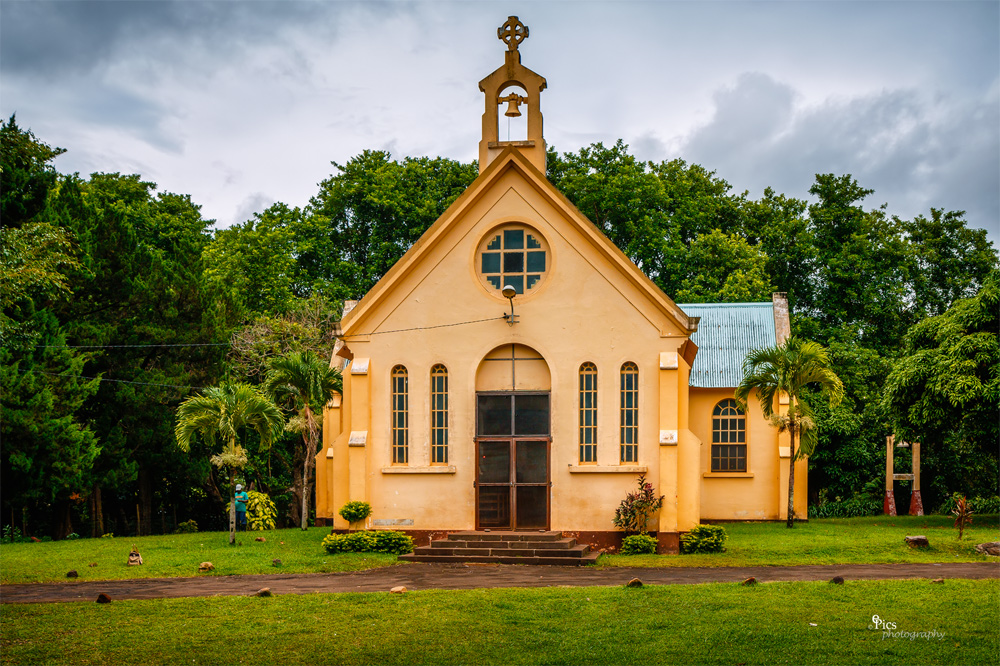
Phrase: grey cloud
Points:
(913, 151)
(255, 203)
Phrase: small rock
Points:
(813, 624)
(917, 541)
(72, 574)
(92, 564)
(399, 589)
(938, 580)
(635, 582)
(261, 539)
(749, 581)
(837, 580)
(275, 562)
(134, 558)
(206, 566)
(263, 592)
(103, 598)
(35, 540)
(991, 548)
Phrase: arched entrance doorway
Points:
(513, 440)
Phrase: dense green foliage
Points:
(634, 512)
(120, 301)
(369, 541)
(356, 511)
(638, 544)
(704, 539)
(261, 512)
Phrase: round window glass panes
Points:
(515, 255)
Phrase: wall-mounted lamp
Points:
(509, 292)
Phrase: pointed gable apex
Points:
(511, 160)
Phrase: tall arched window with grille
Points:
(400, 416)
(629, 413)
(588, 413)
(729, 448)
(439, 415)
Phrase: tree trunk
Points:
(98, 511)
(232, 507)
(64, 521)
(791, 470)
(145, 502)
(308, 441)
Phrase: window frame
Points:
(588, 383)
(399, 414)
(439, 414)
(728, 423)
(628, 414)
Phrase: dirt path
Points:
(465, 577)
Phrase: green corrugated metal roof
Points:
(726, 333)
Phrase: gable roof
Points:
(726, 333)
(511, 159)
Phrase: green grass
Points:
(701, 624)
(833, 541)
(179, 555)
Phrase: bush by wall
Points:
(355, 512)
(638, 544)
(261, 512)
(369, 541)
(704, 539)
(859, 505)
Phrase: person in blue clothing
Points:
(241, 498)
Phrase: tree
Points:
(303, 382)
(944, 391)
(789, 368)
(724, 268)
(26, 175)
(224, 412)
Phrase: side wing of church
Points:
(515, 371)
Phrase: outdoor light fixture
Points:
(509, 293)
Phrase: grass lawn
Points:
(702, 624)
(179, 555)
(834, 541)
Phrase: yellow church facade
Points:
(515, 371)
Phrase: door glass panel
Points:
(494, 462)
(494, 415)
(532, 462)
(531, 415)
(532, 506)
(494, 506)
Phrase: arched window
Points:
(400, 416)
(439, 415)
(588, 413)
(629, 413)
(729, 449)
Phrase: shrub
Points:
(638, 544)
(704, 539)
(355, 512)
(633, 513)
(261, 512)
(963, 514)
(979, 504)
(369, 541)
(187, 527)
(859, 505)
(13, 534)
(72, 535)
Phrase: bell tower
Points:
(509, 78)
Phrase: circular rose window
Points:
(515, 255)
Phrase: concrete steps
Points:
(505, 548)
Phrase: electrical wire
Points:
(420, 328)
(108, 379)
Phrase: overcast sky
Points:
(241, 104)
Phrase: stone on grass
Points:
(938, 580)
(749, 581)
(205, 566)
(635, 582)
(263, 592)
(837, 580)
(990, 548)
(103, 598)
(275, 562)
(399, 589)
(134, 558)
(92, 564)
(72, 574)
(917, 541)
(261, 539)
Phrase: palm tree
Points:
(222, 412)
(789, 368)
(302, 382)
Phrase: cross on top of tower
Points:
(512, 33)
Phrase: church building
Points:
(514, 370)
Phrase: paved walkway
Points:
(466, 577)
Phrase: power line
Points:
(107, 379)
(421, 328)
(188, 344)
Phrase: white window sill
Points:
(608, 469)
(433, 469)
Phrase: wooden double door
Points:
(512, 461)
